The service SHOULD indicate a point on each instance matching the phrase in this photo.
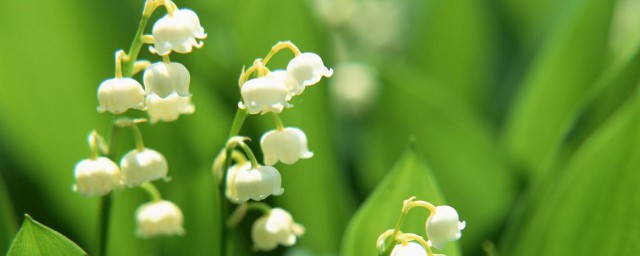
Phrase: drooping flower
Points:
(177, 32)
(117, 95)
(355, 87)
(96, 177)
(168, 109)
(245, 182)
(444, 226)
(163, 79)
(287, 146)
(273, 228)
(307, 69)
(289, 82)
(141, 166)
(264, 94)
(408, 249)
(160, 218)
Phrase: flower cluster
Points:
(165, 96)
(266, 91)
(442, 226)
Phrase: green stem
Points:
(105, 201)
(137, 136)
(137, 43)
(153, 191)
(278, 121)
(226, 245)
(252, 157)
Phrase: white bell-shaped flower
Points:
(276, 227)
(141, 166)
(444, 226)
(168, 109)
(264, 94)
(284, 77)
(307, 69)
(116, 95)
(160, 218)
(244, 183)
(286, 145)
(96, 177)
(164, 79)
(177, 32)
(408, 249)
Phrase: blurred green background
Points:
(524, 117)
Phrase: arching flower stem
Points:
(280, 46)
(152, 190)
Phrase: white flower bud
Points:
(287, 146)
(168, 109)
(96, 177)
(244, 183)
(177, 32)
(307, 69)
(264, 94)
(444, 226)
(165, 78)
(141, 166)
(159, 218)
(116, 95)
(276, 227)
(408, 249)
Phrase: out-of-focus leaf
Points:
(409, 177)
(7, 218)
(455, 141)
(36, 239)
(557, 82)
(450, 38)
(590, 208)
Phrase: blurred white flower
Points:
(168, 109)
(355, 86)
(307, 69)
(96, 177)
(408, 249)
(141, 166)
(264, 94)
(159, 218)
(117, 95)
(164, 79)
(287, 146)
(244, 183)
(444, 226)
(177, 32)
(276, 227)
(335, 12)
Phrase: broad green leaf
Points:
(409, 177)
(455, 141)
(7, 218)
(556, 83)
(590, 208)
(35, 239)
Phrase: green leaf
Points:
(35, 239)
(590, 208)
(8, 224)
(455, 141)
(380, 212)
(557, 82)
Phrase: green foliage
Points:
(591, 206)
(38, 240)
(409, 177)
